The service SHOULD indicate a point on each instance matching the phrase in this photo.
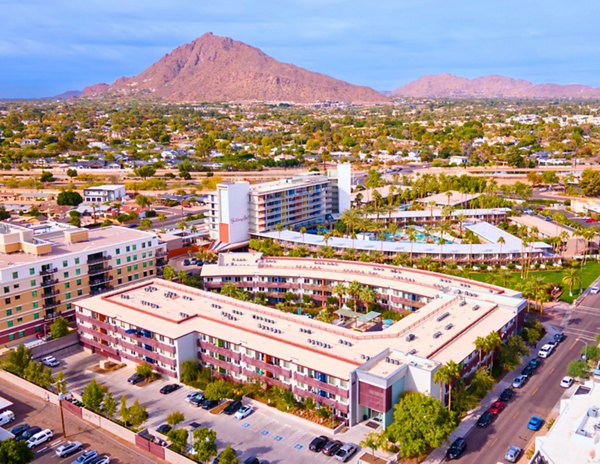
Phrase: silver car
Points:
(346, 452)
(513, 454)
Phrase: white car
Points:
(50, 361)
(594, 290)
(567, 381)
(39, 438)
(6, 417)
(546, 350)
(68, 449)
(244, 411)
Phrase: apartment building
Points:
(43, 274)
(239, 209)
(103, 193)
(360, 375)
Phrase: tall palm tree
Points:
(162, 217)
(303, 232)
(461, 217)
(447, 374)
(431, 204)
(481, 345)
(494, 342)
(279, 228)
(412, 237)
(340, 290)
(571, 278)
(588, 235)
(354, 289)
(501, 242)
(367, 295)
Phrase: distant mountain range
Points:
(215, 69)
(451, 86)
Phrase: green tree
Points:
(47, 177)
(228, 456)
(420, 423)
(494, 341)
(590, 182)
(124, 410)
(169, 273)
(145, 224)
(15, 452)
(69, 198)
(71, 172)
(142, 201)
(190, 370)
(511, 352)
(205, 443)
(137, 414)
(178, 439)
(482, 382)
(571, 278)
(447, 374)
(144, 369)
(217, 390)
(60, 383)
(145, 171)
(109, 405)
(176, 417)
(578, 368)
(373, 441)
(93, 394)
(59, 328)
(18, 360)
(36, 373)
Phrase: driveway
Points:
(267, 433)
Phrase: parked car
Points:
(7, 417)
(243, 412)
(520, 381)
(209, 404)
(164, 429)
(513, 454)
(170, 388)
(332, 447)
(27, 434)
(506, 395)
(39, 438)
(594, 290)
(535, 363)
(567, 381)
(100, 460)
(318, 443)
(186, 262)
(198, 400)
(50, 361)
(136, 378)
(497, 407)
(232, 407)
(559, 336)
(85, 457)
(19, 429)
(485, 419)
(535, 423)
(69, 448)
(190, 396)
(346, 452)
(251, 460)
(193, 261)
(457, 448)
(527, 371)
(546, 350)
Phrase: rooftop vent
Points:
(449, 326)
(443, 316)
(413, 351)
(437, 334)
(410, 337)
(476, 307)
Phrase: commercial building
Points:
(450, 198)
(103, 193)
(359, 374)
(237, 210)
(436, 215)
(44, 271)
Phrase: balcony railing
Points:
(48, 271)
(51, 304)
(49, 282)
(96, 282)
(99, 259)
(99, 271)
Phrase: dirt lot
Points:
(34, 411)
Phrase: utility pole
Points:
(62, 417)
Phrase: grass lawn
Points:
(590, 272)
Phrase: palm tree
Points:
(501, 242)
(279, 228)
(303, 231)
(481, 346)
(447, 374)
(588, 234)
(494, 342)
(412, 237)
(340, 290)
(461, 217)
(431, 204)
(354, 289)
(367, 295)
(571, 278)
(162, 217)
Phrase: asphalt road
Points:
(539, 396)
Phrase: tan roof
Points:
(545, 228)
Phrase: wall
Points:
(53, 346)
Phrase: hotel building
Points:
(43, 274)
(360, 375)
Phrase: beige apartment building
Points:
(43, 271)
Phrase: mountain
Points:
(451, 86)
(213, 68)
(66, 95)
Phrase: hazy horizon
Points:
(49, 48)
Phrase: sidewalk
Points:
(470, 420)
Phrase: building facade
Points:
(103, 193)
(43, 274)
(358, 374)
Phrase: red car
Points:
(591, 220)
(497, 407)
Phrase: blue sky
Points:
(49, 46)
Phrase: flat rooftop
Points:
(438, 212)
(174, 310)
(454, 199)
(545, 228)
(298, 181)
(97, 239)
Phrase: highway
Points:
(540, 395)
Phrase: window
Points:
(129, 259)
(19, 320)
(15, 286)
(118, 261)
(65, 263)
(135, 257)
(136, 276)
(68, 295)
(66, 274)
(67, 284)
(31, 271)
(17, 297)
(134, 247)
(19, 308)
(135, 266)
(79, 292)
(77, 271)
(21, 334)
(9, 323)
(127, 249)
(118, 251)
(69, 305)
(34, 293)
(6, 289)
(119, 281)
(149, 254)
(11, 336)
(128, 270)
(143, 255)
(36, 316)
(119, 271)
(35, 305)
(15, 275)
(149, 244)
(76, 260)
(33, 283)
(129, 278)
(9, 312)
(78, 281)
(145, 264)
(7, 300)
(150, 262)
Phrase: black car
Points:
(169, 388)
(559, 337)
(251, 460)
(506, 395)
(528, 371)
(535, 363)
(209, 404)
(456, 448)
(232, 407)
(485, 419)
(197, 400)
(19, 429)
(27, 434)
(332, 447)
(318, 443)
(136, 378)
(164, 429)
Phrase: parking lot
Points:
(34, 411)
(267, 433)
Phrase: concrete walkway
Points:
(470, 420)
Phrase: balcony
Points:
(205, 357)
(103, 280)
(95, 322)
(51, 303)
(98, 259)
(49, 282)
(102, 270)
(315, 383)
(100, 290)
(154, 343)
(48, 271)
(220, 350)
(266, 367)
(48, 292)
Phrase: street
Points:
(540, 395)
